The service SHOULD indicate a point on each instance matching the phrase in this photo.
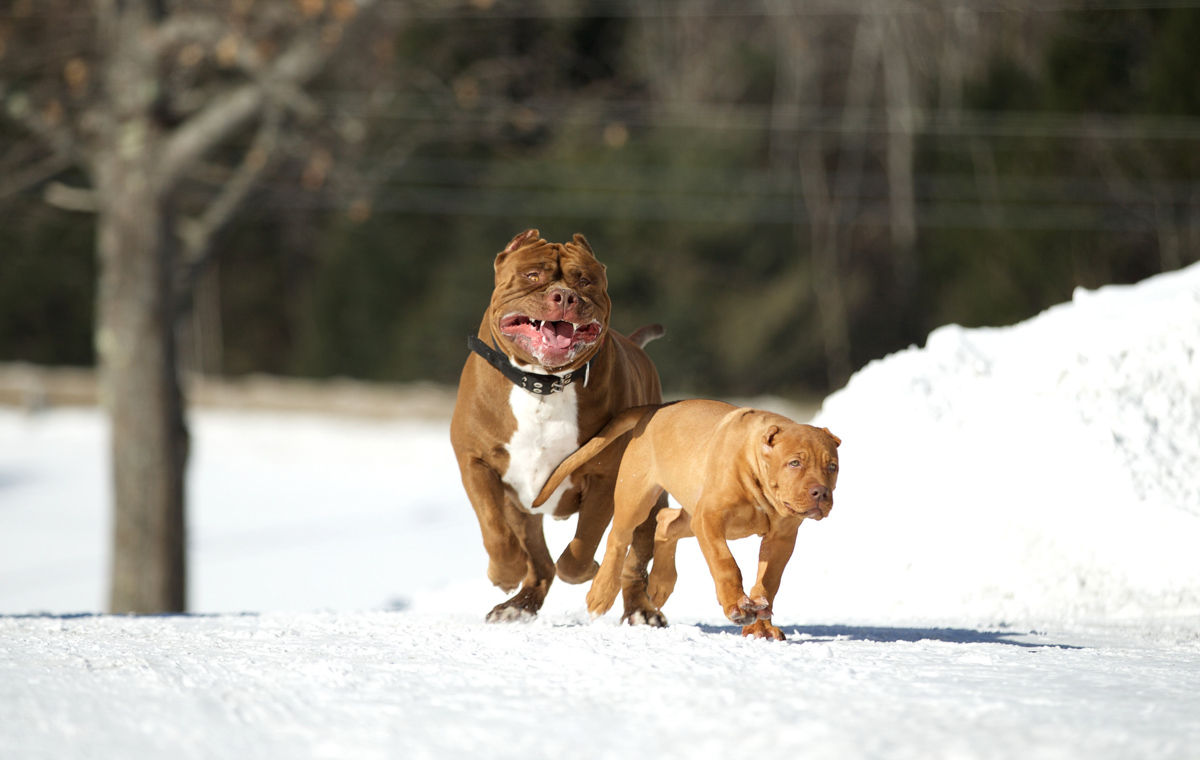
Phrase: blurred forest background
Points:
(792, 187)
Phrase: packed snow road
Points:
(410, 685)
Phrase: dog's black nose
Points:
(819, 494)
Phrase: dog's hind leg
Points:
(639, 608)
(634, 499)
(673, 524)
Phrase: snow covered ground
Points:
(1012, 569)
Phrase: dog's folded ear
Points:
(528, 236)
(582, 242)
(769, 438)
(525, 238)
(836, 441)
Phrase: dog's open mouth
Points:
(552, 343)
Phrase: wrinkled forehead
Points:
(809, 440)
(541, 255)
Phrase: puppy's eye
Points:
(584, 282)
(533, 276)
(833, 466)
(795, 463)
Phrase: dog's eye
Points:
(584, 282)
(533, 276)
(795, 463)
(833, 466)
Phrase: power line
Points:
(484, 10)
(724, 207)
(688, 181)
(766, 117)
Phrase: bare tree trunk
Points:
(137, 358)
(135, 327)
(142, 117)
(898, 89)
(832, 202)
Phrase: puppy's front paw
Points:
(748, 610)
(762, 629)
(599, 600)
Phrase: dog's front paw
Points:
(520, 609)
(747, 610)
(507, 575)
(762, 629)
(652, 618)
(600, 599)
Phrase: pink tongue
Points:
(558, 334)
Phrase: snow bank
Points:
(1043, 470)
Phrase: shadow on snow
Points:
(804, 634)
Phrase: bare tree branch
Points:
(225, 115)
(197, 234)
(71, 198)
(47, 124)
(33, 175)
(182, 28)
(222, 116)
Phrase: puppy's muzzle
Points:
(822, 503)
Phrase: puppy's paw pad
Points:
(740, 616)
(761, 608)
(748, 610)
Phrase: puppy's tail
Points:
(646, 333)
(616, 427)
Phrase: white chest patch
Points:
(547, 432)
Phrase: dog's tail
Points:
(646, 333)
(616, 427)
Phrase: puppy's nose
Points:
(819, 494)
(560, 297)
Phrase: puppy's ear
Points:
(526, 237)
(582, 242)
(836, 441)
(769, 438)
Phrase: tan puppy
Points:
(736, 472)
(546, 374)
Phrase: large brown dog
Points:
(545, 375)
(736, 472)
